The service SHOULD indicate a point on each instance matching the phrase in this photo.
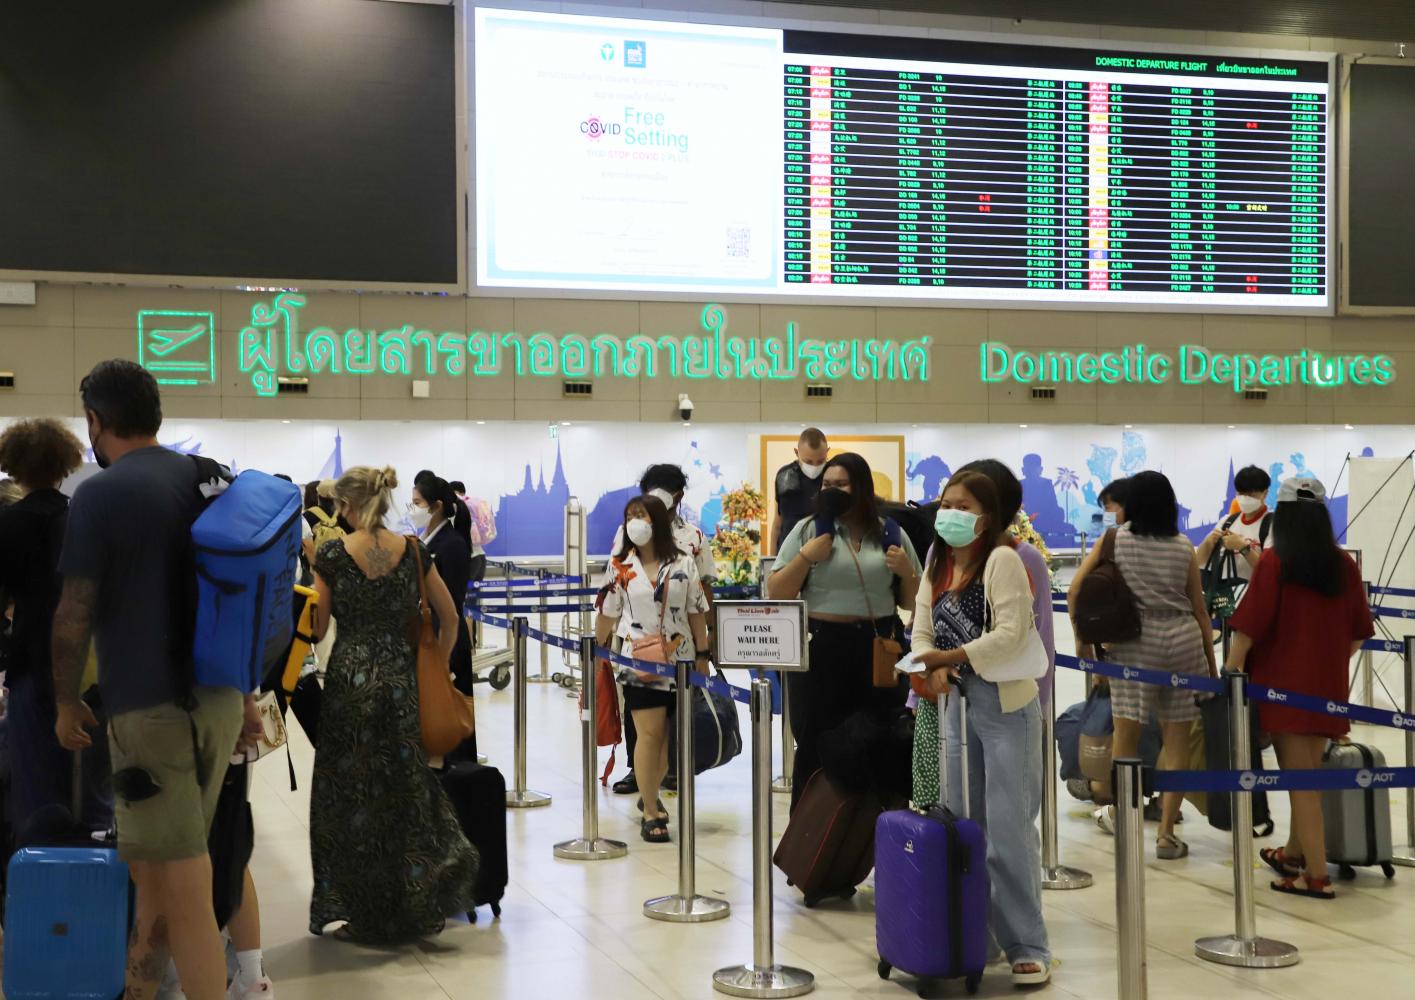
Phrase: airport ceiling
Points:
(1385, 20)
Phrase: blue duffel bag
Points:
(246, 544)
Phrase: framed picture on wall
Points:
(884, 452)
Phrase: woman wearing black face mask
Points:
(840, 565)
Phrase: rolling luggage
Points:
(1216, 752)
(931, 887)
(67, 911)
(478, 795)
(1357, 821)
(827, 848)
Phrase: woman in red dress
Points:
(1301, 620)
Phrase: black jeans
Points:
(838, 684)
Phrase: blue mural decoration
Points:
(1063, 506)
(531, 522)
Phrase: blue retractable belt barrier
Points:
(1257, 692)
(534, 609)
(1160, 678)
(714, 684)
(552, 640)
(1281, 781)
(1393, 591)
(1384, 645)
(519, 594)
(1407, 613)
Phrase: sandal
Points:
(1276, 858)
(640, 805)
(1105, 819)
(1168, 847)
(1317, 888)
(654, 831)
(1030, 973)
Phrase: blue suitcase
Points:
(931, 889)
(66, 924)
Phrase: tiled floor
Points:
(576, 929)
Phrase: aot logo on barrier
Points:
(1249, 781)
(1275, 695)
(273, 344)
(1136, 364)
(1334, 709)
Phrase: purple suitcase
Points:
(931, 888)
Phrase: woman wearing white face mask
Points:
(973, 622)
(652, 597)
(433, 514)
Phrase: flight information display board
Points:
(904, 168)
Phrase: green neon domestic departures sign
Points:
(273, 344)
(1136, 364)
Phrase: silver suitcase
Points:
(1357, 821)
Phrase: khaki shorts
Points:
(174, 823)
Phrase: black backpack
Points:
(916, 521)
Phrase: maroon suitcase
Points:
(828, 847)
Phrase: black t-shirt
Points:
(795, 498)
(130, 532)
(31, 535)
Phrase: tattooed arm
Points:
(73, 628)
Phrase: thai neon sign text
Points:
(1136, 364)
(273, 344)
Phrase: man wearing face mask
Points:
(1248, 532)
(129, 583)
(668, 483)
(797, 485)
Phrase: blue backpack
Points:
(246, 543)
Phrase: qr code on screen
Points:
(739, 241)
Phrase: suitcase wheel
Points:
(884, 969)
(972, 983)
(1346, 873)
(500, 678)
(496, 910)
(1388, 868)
(811, 901)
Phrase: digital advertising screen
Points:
(633, 156)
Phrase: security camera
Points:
(685, 407)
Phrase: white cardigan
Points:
(1008, 592)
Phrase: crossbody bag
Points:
(885, 651)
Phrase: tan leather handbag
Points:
(885, 650)
(448, 716)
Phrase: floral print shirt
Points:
(627, 593)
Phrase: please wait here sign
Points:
(767, 634)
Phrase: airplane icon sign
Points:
(177, 347)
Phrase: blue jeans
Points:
(1007, 747)
(41, 771)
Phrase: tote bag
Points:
(446, 714)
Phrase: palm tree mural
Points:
(1066, 481)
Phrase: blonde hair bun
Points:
(368, 494)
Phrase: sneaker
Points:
(1105, 819)
(261, 989)
(626, 785)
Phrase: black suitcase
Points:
(478, 795)
(1218, 758)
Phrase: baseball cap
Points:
(1302, 488)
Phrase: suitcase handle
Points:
(942, 704)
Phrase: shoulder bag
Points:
(885, 650)
(1105, 610)
(447, 716)
(654, 648)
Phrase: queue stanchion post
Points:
(763, 977)
(685, 906)
(1132, 964)
(788, 740)
(1055, 875)
(1406, 858)
(519, 796)
(590, 846)
(543, 677)
(1368, 686)
(1243, 948)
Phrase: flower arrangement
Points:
(1023, 531)
(738, 538)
